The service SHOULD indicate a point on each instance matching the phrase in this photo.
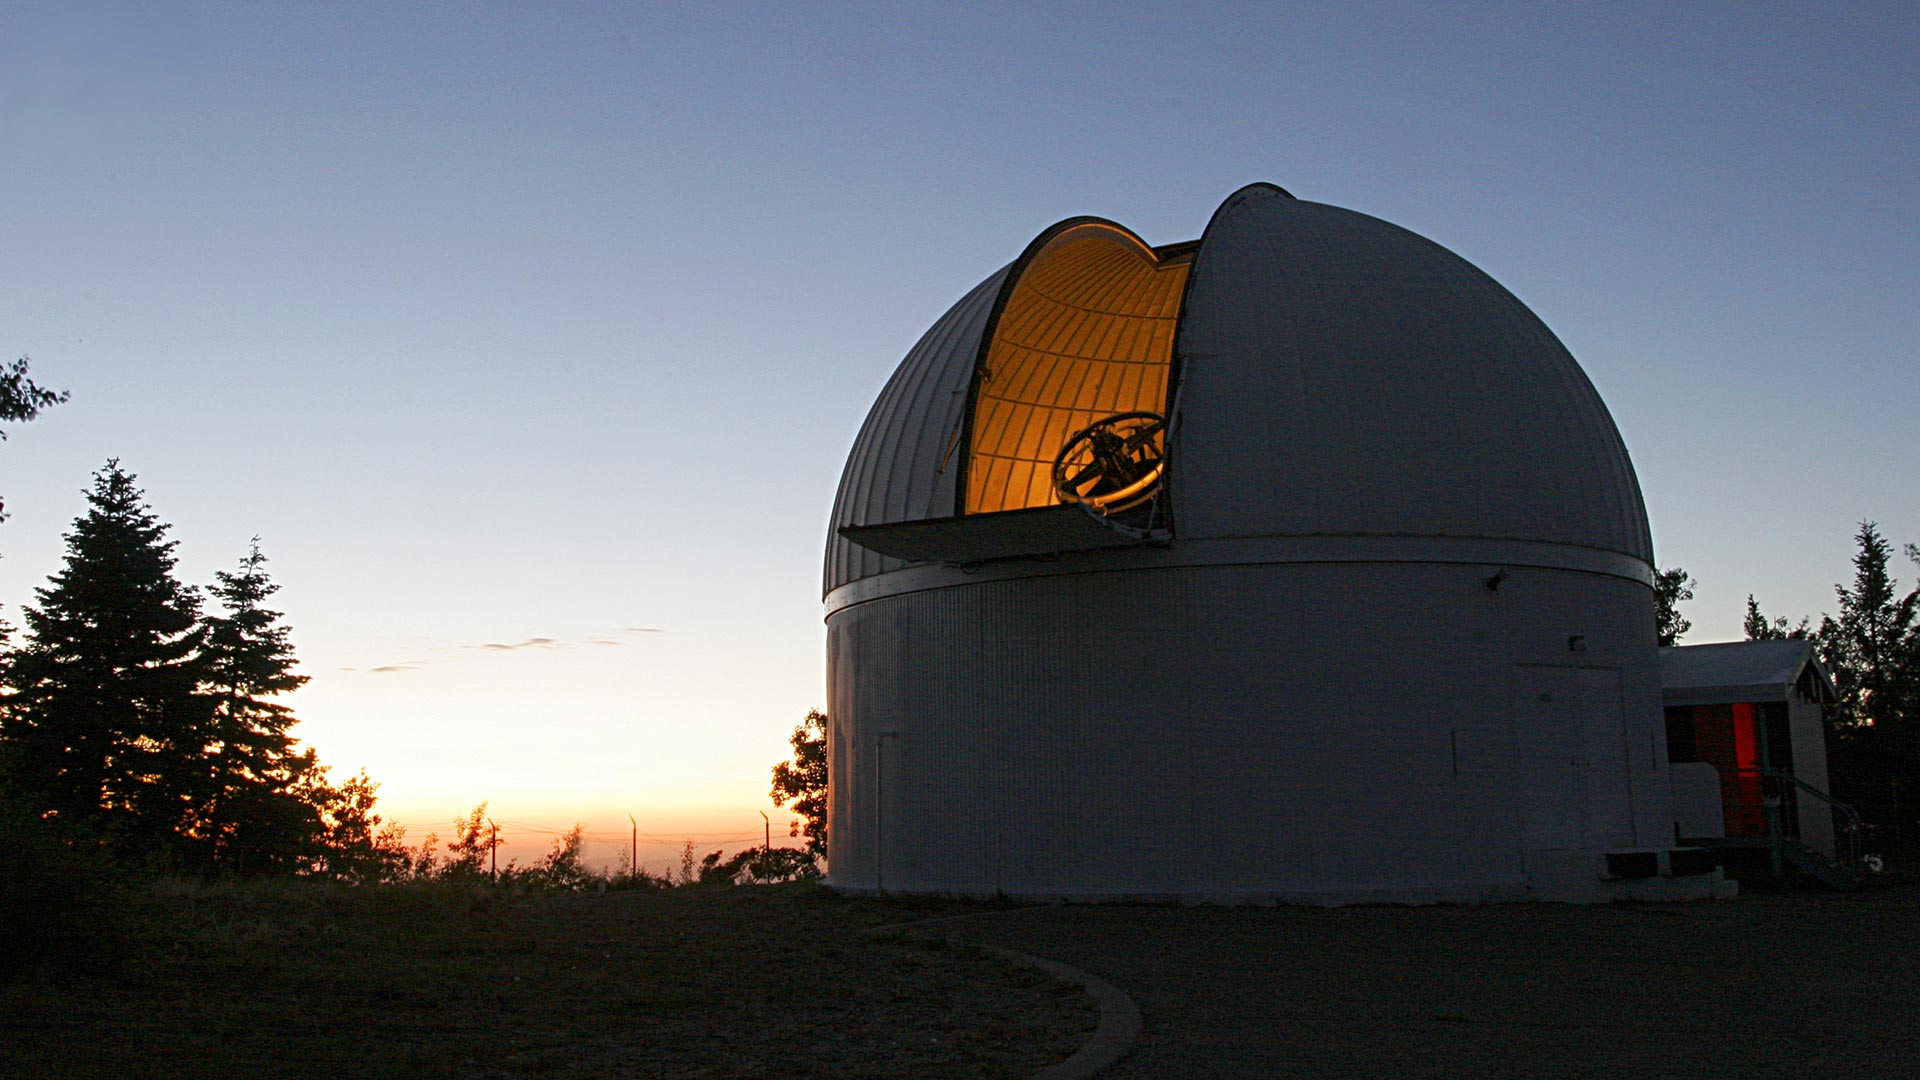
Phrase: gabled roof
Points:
(1743, 671)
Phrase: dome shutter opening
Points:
(1084, 335)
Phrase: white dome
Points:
(1332, 375)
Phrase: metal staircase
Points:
(1787, 856)
(1841, 870)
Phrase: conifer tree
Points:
(1867, 647)
(104, 719)
(1759, 628)
(1872, 650)
(127, 719)
(261, 806)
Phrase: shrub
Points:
(62, 901)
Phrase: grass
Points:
(293, 979)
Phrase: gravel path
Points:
(1753, 988)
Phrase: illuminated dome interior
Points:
(1086, 333)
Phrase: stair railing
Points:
(1849, 838)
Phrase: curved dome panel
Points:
(902, 467)
(1332, 376)
(1343, 376)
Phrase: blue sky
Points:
(550, 326)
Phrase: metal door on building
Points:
(1550, 756)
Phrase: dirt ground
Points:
(1767, 986)
(793, 981)
(228, 981)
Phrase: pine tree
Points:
(1872, 650)
(1866, 648)
(1759, 628)
(263, 798)
(104, 720)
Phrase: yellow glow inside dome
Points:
(1087, 332)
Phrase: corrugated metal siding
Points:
(1249, 731)
(1341, 375)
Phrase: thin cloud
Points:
(530, 643)
(563, 643)
(538, 642)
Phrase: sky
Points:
(531, 339)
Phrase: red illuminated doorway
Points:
(1735, 739)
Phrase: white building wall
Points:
(1807, 728)
(1293, 731)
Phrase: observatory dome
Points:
(1336, 376)
(1300, 561)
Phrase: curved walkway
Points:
(1756, 988)
(1119, 1019)
(1119, 1026)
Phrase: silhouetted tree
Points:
(1670, 588)
(105, 720)
(564, 866)
(803, 781)
(261, 810)
(131, 720)
(781, 864)
(470, 852)
(1758, 628)
(356, 846)
(686, 863)
(1867, 648)
(715, 871)
(1872, 650)
(21, 400)
(758, 866)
